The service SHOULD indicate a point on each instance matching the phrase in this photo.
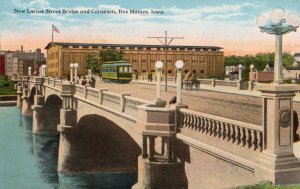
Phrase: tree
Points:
(92, 62)
(111, 55)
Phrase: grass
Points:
(7, 91)
(6, 86)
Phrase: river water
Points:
(29, 161)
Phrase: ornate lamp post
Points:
(71, 72)
(29, 71)
(75, 72)
(240, 72)
(158, 65)
(277, 24)
(179, 65)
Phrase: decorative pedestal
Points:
(277, 162)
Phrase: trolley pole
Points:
(166, 44)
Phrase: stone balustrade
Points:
(240, 133)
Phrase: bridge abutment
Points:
(277, 162)
(159, 168)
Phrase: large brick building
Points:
(206, 61)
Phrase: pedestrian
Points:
(136, 76)
(93, 82)
(149, 77)
(84, 81)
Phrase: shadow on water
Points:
(44, 149)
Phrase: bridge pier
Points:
(26, 104)
(156, 169)
(68, 119)
(19, 95)
(277, 162)
(38, 107)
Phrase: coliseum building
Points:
(206, 61)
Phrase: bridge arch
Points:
(99, 144)
(53, 104)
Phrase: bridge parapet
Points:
(240, 133)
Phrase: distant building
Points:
(261, 76)
(205, 61)
(17, 62)
(293, 72)
(297, 57)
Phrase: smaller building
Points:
(2, 64)
(231, 69)
(266, 75)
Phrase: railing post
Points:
(277, 162)
(250, 85)
(101, 95)
(123, 101)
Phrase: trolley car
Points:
(116, 72)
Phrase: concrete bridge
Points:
(169, 147)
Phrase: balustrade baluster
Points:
(217, 129)
(228, 132)
(220, 130)
(238, 134)
(249, 137)
(243, 136)
(204, 125)
(260, 140)
(207, 125)
(214, 122)
(233, 134)
(224, 131)
(254, 139)
(211, 124)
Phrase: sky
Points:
(230, 24)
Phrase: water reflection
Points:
(44, 150)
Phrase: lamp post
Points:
(29, 71)
(179, 65)
(158, 65)
(277, 24)
(240, 72)
(75, 72)
(71, 72)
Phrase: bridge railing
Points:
(131, 105)
(111, 100)
(243, 134)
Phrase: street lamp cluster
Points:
(179, 65)
(73, 72)
(278, 24)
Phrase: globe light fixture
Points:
(277, 15)
(75, 65)
(71, 65)
(179, 64)
(159, 64)
(277, 24)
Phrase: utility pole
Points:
(166, 43)
(0, 42)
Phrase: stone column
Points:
(26, 104)
(68, 119)
(179, 87)
(38, 107)
(123, 102)
(277, 162)
(19, 94)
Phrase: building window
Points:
(140, 48)
(201, 71)
(169, 71)
(182, 49)
(75, 46)
(104, 47)
(85, 47)
(131, 48)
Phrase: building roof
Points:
(127, 45)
